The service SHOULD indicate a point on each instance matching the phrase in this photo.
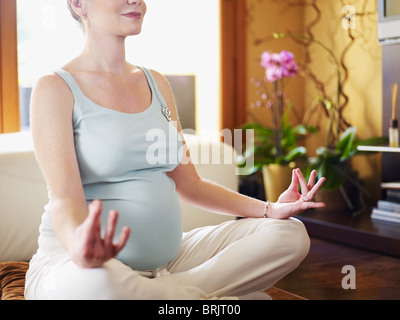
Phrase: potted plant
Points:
(275, 148)
(342, 188)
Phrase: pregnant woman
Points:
(112, 226)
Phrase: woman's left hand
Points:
(292, 202)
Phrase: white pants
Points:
(232, 259)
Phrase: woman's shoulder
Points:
(162, 82)
(49, 90)
(50, 83)
(158, 76)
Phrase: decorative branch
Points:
(333, 109)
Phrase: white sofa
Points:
(23, 191)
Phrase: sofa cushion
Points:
(23, 194)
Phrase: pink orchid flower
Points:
(278, 65)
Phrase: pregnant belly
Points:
(150, 207)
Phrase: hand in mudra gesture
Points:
(292, 202)
(90, 249)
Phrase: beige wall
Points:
(265, 18)
(364, 61)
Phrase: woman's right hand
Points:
(90, 249)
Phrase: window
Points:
(48, 37)
(179, 38)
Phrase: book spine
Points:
(384, 218)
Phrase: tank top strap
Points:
(153, 84)
(72, 84)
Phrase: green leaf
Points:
(376, 141)
(247, 170)
(325, 152)
(300, 130)
(295, 153)
(328, 104)
(312, 129)
(330, 170)
(346, 145)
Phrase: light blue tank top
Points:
(123, 160)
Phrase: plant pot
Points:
(277, 179)
(335, 200)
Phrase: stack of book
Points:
(389, 209)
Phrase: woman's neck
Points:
(105, 53)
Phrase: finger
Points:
(89, 230)
(313, 205)
(94, 207)
(123, 238)
(311, 180)
(315, 189)
(94, 213)
(303, 183)
(112, 220)
(295, 182)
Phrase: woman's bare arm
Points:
(216, 198)
(52, 131)
(51, 123)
